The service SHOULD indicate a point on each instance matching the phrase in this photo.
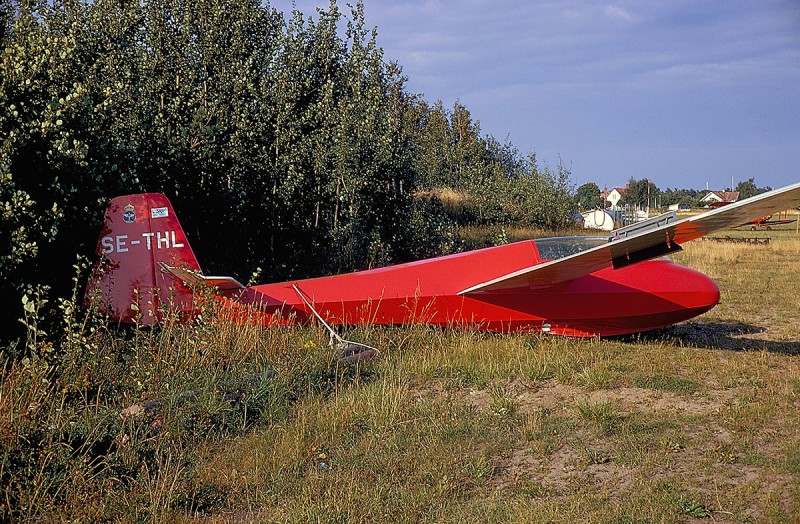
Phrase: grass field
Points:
(697, 422)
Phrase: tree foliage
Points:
(284, 143)
(587, 196)
(640, 193)
(500, 185)
(748, 188)
(681, 196)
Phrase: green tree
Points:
(587, 196)
(288, 144)
(681, 196)
(640, 193)
(747, 188)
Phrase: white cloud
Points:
(616, 12)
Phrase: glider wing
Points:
(650, 243)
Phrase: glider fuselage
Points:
(640, 297)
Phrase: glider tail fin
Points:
(140, 235)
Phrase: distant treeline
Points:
(644, 193)
(285, 143)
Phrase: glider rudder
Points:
(140, 233)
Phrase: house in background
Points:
(613, 197)
(720, 198)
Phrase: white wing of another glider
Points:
(648, 244)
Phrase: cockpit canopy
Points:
(560, 247)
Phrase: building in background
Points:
(719, 198)
(613, 197)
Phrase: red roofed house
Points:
(614, 197)
(720, 198)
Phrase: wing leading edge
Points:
(646, 245)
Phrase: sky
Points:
(686, 93)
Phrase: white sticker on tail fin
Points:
(159, 212)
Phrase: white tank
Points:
(598, 219)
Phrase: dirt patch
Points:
(559, 473)
(567, 468)
(647, 400)
(530, 396)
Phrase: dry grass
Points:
(698, 421)
(760, 283)
(447, 195)
(695, 421)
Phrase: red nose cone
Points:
(665, 293)
(701, 293)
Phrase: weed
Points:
(503, 403)
(555, 439)
(594, 377)
(791, 462)
(684, 502)
(478, 470)
(596, 456)
(674, 384)
(601, 413)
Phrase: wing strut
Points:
(352, 352)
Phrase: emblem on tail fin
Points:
(129, 214)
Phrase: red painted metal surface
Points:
(640, 297)
(142, 231)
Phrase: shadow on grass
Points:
(717, 335)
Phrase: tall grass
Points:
(111, 420)
(698, 421)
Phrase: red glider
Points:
(577, 286)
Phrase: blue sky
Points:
(685, 93)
